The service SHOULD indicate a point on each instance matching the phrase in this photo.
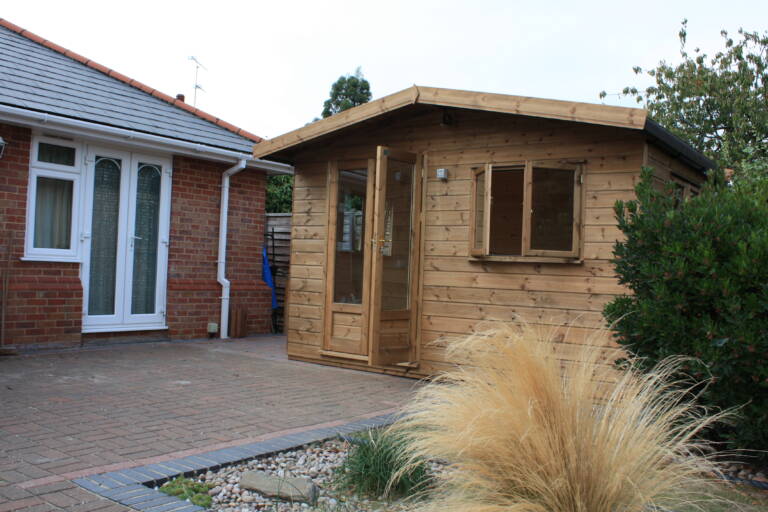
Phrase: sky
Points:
(270, 65)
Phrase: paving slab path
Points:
(71, 414)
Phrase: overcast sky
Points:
(270, 64)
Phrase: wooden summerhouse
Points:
(429, 212)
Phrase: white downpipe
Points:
(221, 271)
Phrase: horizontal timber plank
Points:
(557, 300)
(462, 264)
(309, 232)
(306, 311)
(308, 258)
(317, 246)
(307, 271)
(437, 321)
(306, 285)
(302, 337)
(304, 297)
(602, 285)
(305, 324)
(602, 234)
(309, 219)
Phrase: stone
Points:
(213, 492)
(287, 488)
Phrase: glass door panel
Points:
(125, 241)
(350, 237)
(392, 311)
(349, 228)
(104, 231)
(145, 241)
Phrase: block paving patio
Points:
(71, 414)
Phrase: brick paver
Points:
(70, 414)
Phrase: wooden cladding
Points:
(527, 209)
(465, 278)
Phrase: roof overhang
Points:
(589, 113)
(42, 121)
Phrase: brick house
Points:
(113, 197)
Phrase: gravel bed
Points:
(316, 461)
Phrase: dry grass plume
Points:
(522, 431)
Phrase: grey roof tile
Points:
(38, 78)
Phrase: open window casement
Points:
(529, 209)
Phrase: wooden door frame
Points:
(415, 272)
(331, 307)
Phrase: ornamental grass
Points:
(527, 423)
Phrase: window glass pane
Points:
(106, 212)
(507, 211)
(54, 154)
(145, 241)
(350, 237)
(552, 205)
(396, 265)
(479, 210)
(53, 213)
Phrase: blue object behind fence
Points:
(266, 274)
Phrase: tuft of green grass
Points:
(188, 489)
(375, 466)
(521, 430)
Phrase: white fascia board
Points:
(133, 139)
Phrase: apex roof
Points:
(621, 117)
(39, 75)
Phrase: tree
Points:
(698, 278)
(719, 104)
(279, 193)
(347, 92)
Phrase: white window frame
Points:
(71, 173)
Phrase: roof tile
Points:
(127, 80)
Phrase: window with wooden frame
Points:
(526, 210)
(683, 189)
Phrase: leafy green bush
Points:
(188, 489)
(698, 272)
(376, 466)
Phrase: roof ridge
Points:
(130, 81)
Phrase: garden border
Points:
(134, 487)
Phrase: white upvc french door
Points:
(125, 241)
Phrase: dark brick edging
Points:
(134, 487)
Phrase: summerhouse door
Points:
(392, 316)
(348, 273)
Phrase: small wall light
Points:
(2, 146)
(442, 174)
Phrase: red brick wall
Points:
(193, 292)
(45, 299)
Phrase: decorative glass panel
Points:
(53, 154)
(350, 236)
(479, 211)
(396, 250)
(104, 228)
(145, 239)
(53, 213)
(552, 204)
